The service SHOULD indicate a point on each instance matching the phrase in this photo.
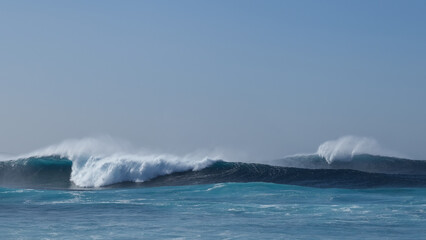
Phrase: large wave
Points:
(99, 162)
(348, 162)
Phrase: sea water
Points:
(214, 211)
(86, 190)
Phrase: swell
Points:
(221, 172)
(55, 172)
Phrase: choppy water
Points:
(214, 211)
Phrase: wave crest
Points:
(103, 161)
(345, 148)
(102, 171)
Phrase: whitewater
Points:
(100, 188)
(97, 162)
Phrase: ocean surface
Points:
(79, 190)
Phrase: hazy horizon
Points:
(261, 80)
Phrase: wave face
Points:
(48, 172)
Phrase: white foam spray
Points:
(346, 147)
(103, 161)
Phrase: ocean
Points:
(72, 192)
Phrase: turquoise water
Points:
(214, 211)
(68, 193)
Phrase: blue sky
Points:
(265, 78)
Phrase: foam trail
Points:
(103, 161)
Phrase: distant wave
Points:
(356, 153)
(361, 162)
(345, 148)
(91, 163)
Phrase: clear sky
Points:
(264, 78)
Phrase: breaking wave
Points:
(345, 148)
(355, 153)
(100, 162)
(348, 162)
